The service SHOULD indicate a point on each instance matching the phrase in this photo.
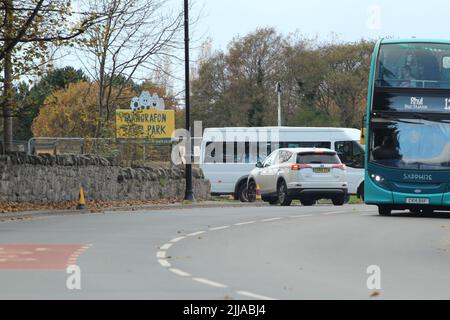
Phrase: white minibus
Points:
(227, 155)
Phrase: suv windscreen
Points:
(317, 158)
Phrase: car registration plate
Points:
(321, 170)
(417, 200)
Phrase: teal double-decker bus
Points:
(407, 136)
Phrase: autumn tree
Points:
(72, 111)
(69, 112)
(346, 80)
(28, 27)
(324, 84)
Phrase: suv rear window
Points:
(318, 158)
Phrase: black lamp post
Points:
(189, 195)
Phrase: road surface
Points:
(320, 252)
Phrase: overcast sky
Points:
(350, 19)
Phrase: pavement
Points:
(220, 252)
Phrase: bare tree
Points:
(132, 38)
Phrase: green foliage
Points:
(312, 118)
(30, 99)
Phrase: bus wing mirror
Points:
(362, 138)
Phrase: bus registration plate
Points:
(417, 200)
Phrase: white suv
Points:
(305, 174)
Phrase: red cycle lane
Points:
(39, 256)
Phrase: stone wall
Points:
(45, 178)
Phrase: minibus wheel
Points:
(251, 191)
(242, 192)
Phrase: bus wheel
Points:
(360, 192)
(384, 210)
(242, 192)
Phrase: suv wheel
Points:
(283, 197)
(338, 200)
(251, 191)
(307, 202)
(384, 210)
(242, 192)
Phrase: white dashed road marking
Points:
(210, 283)
(301, 216)
(253, 295)
(164, 263)
(219, 228)
(177, 239)
(161, 254)
(270, 220)
(196, 233)
(244, 223)
(330, 213)
(166, 246)
(179, 272)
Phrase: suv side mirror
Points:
(259, 164)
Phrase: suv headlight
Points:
(379, 180)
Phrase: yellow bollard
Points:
(258, 192)
(81, 201)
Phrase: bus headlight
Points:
(379, 180)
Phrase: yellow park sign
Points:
(151, 124)
(146, 119)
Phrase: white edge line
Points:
(253, 295)
(164, 263)
(219, 228)
(166, 246)
(210, 283)
(177, 239)
(179, 272)
(161, 254)
(244, 223)
(270, 220)
(196, 233)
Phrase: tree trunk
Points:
(8, 97)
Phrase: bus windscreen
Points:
(414, 65)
